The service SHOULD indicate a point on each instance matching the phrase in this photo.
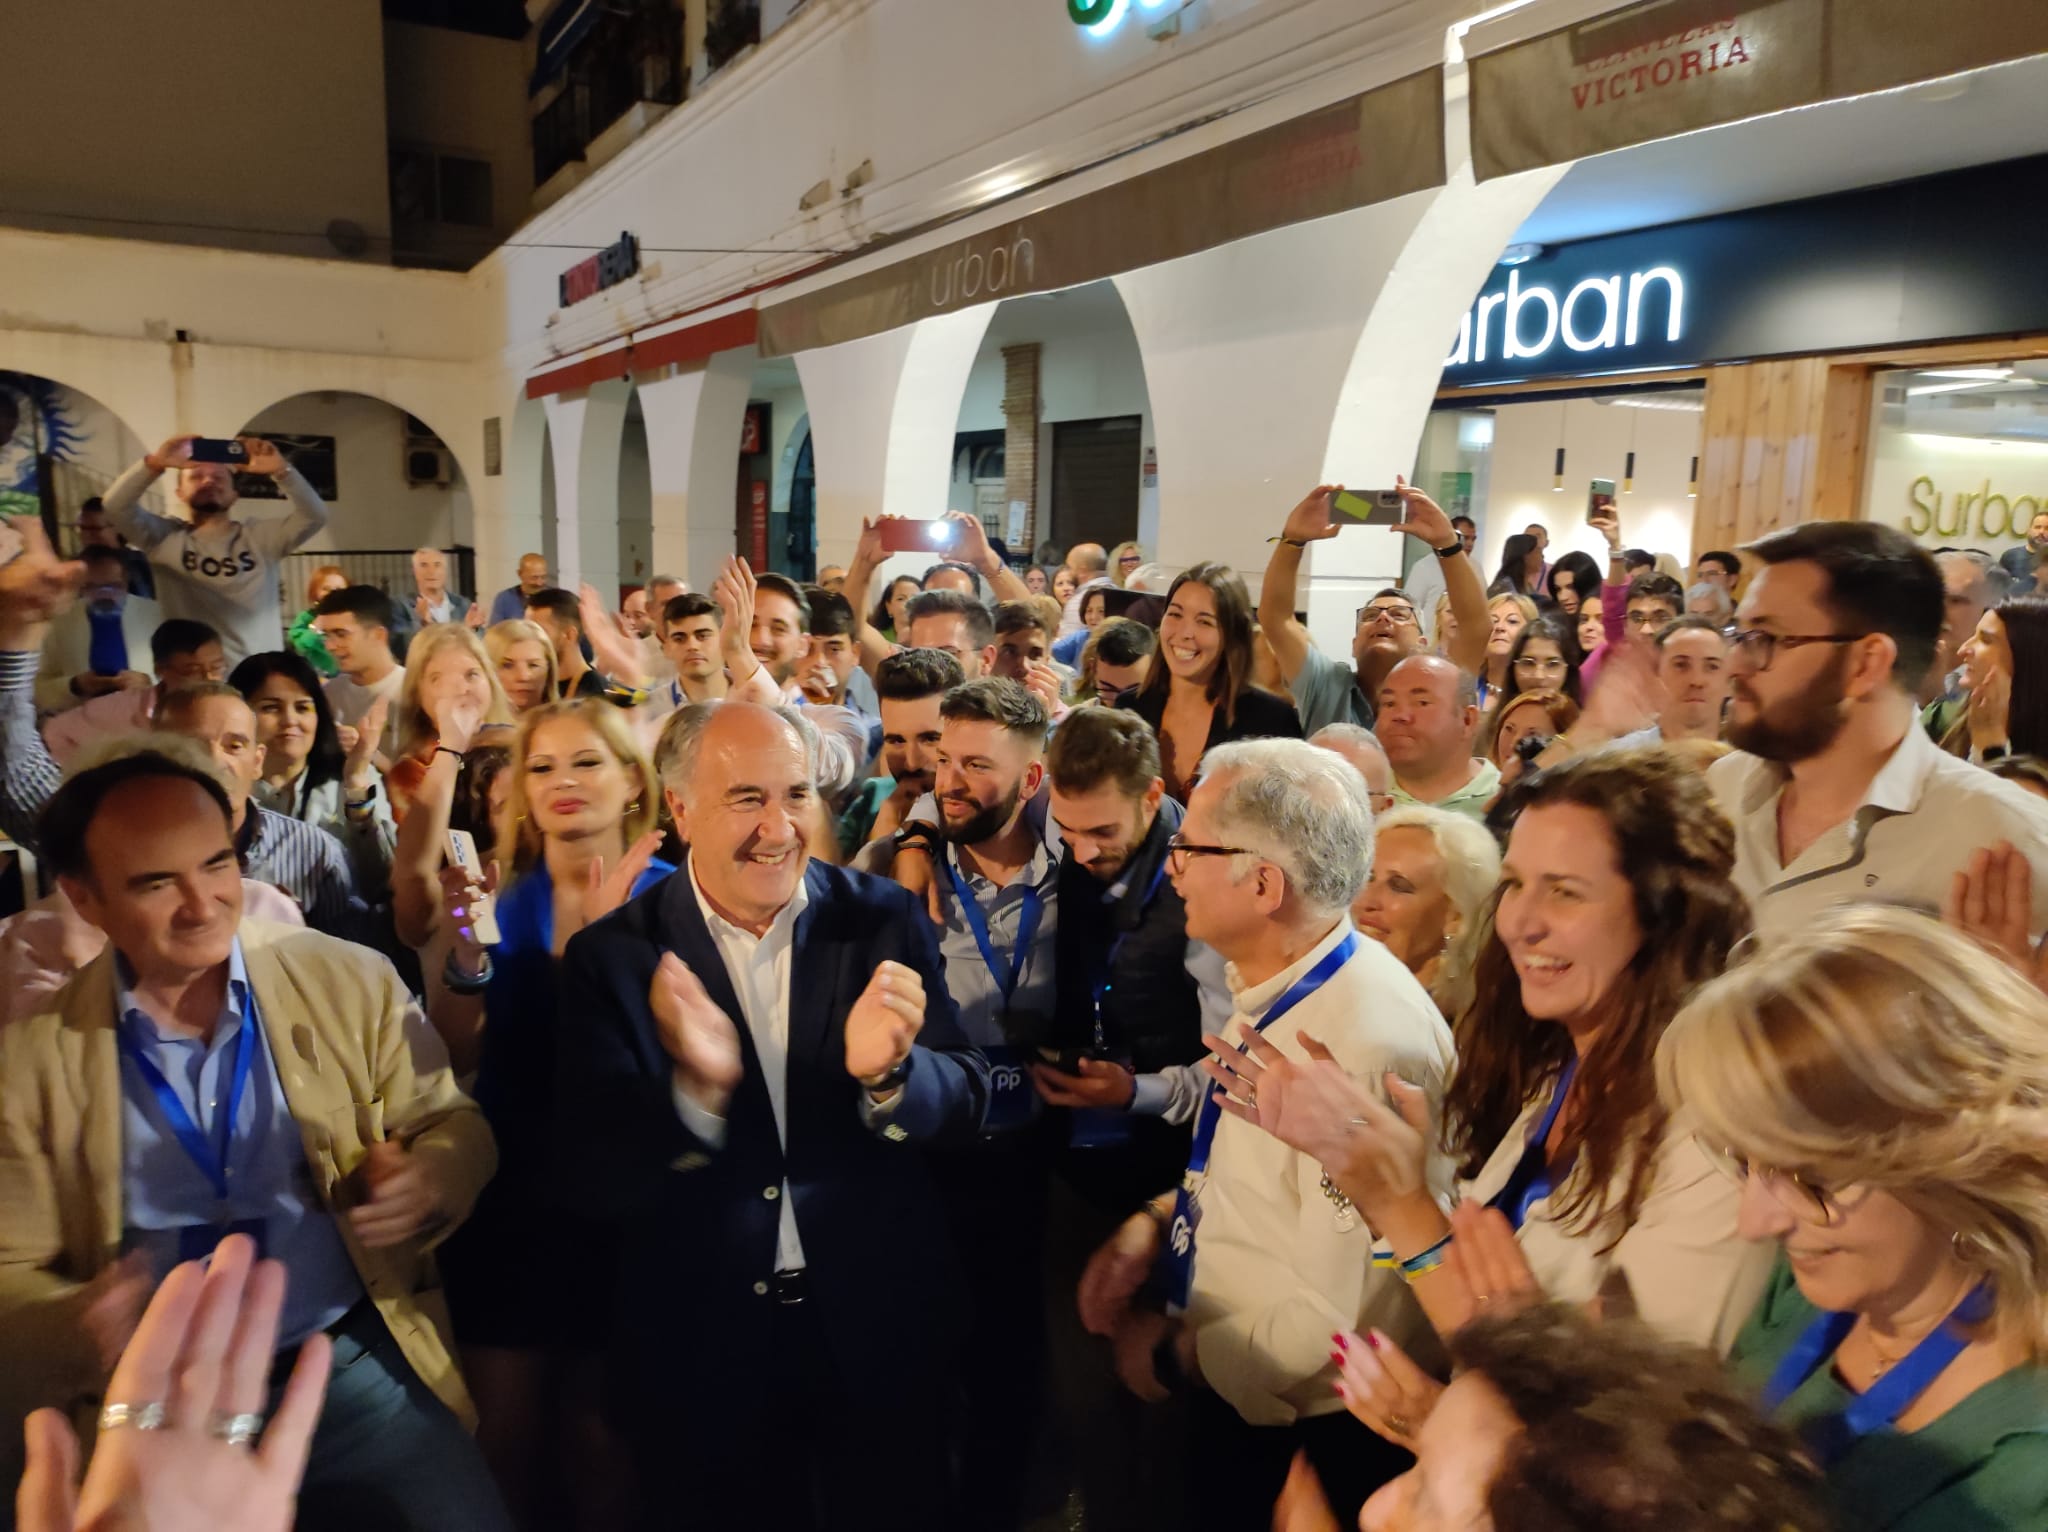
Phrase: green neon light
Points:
(1088, 13)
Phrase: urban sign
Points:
(609, 267)
(1598, 314)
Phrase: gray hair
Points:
(682, 738)
(1707, 590)
(664, 579)
(1330, 735)
(1993, 583)
(1305, 808)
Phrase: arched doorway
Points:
(636, 500)
(390, 481)
(775, 516)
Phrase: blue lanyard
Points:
(211, 1161)
(1532, 1181)
(1180, 1251)
(1102, 984)
(977, 922)
(1887, 1398)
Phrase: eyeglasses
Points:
(1649, 617)
(1806, 1200)
(1536, 665)
(1130, 558)
(1399, 616)
(1178, 851)
(1113, 696)
(1756, 649)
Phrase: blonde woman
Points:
(523, 659)
(1124, 561)
(1879, 1092)
(1507, 614)
(450, 695)
(526, 1275)
(1433, 873)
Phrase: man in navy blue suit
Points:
(753, 1051)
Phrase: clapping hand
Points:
(697, 1035)
(399, 1200)
(884, 1021)
(360, 768)
(1043, 682)
(1486, 1257)
(205, 1349)
(604, 891)
(1115, 1272)
(35, 586)
(1992, 901)
(733, 590)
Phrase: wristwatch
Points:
(898, 1073)
(919, 835)
(1451, 549)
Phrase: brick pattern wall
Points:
(1021, 408)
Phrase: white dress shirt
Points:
(758, 967)
(1276, 1272)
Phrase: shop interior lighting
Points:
(1692, 488)
(1519, 255)
(1684, 405)
(1557, 482)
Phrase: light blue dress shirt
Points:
(164, 1191)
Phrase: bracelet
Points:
(1995, 752)
(449, 750)
(1421, 1265)
(1292, 542)
(461, 983)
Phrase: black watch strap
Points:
(1452, 549)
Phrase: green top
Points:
(1981, 1467)
(306, 639)
(859, 819)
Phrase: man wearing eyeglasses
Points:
(1837, 795)
(1389, 628)
(1256, 1263)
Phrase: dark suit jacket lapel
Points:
(814, 976)
(686, 935)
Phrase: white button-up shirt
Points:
(758, 967)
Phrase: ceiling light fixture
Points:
(1519, 255)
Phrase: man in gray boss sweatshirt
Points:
(218, 568)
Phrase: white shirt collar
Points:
(1897, 787)
(721, 928)
(1254, 999)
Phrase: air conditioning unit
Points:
(428, 464)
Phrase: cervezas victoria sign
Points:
(609, 267)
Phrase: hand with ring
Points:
(1382, 1388)
(174, 1450)
(1487, 1259)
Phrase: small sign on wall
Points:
(757, 524)
(754, 431)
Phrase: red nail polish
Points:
(1337, 1389)
(1343, 1341)
(1372, 1339)
(1337, 1357)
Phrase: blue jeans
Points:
(387, 1453)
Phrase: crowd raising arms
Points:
(1486, 1183)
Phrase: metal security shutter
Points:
(1095, 467)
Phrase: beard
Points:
(983, 823)
(1794, 728)
(208, 498)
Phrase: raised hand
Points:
(1043, 682)
(263, 457)
(1608, 525)
(1382, 1388)
(884, 1021)
(398, 1198)
(474, 617)
(457, 720)
(733, 590)
(1312, 520)
(1992, 901)
(1627, 697)
(175, 453)
(696, 1034)
(604, 891)
(1422, 518)
(35, 585)
(205, 1348)
(971, 545)
(360, 768)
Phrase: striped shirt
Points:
(307, 863)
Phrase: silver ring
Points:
(137, 1417)
(1251, 1098)
(237, 1430)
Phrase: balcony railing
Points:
(629, 56)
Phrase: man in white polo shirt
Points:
(1837, 795)
(1257, 1266)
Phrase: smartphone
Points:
(1066, 1060)
(483, 915)
(1379, 508)
(219, 449)
(913, 534)
(1600, 499)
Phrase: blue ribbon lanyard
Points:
(1890, 1396)
(211, 1161)
(1180, 1243)
(1101, 986)
(1532, 1181)
(977, 922)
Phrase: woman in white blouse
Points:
(1615, 903)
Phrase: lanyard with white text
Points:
(1027, 931)
(1179, 1255)
(1887, 1398)
(211, 1161)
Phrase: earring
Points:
(633, 807)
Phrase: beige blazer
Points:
(359, 1064)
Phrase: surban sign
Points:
(1599, 314)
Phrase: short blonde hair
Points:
(501, 636)
(609, 724)
(415, 728)
(1520, 603)
(1116, 559)
(1471, 858)
(1879, 1048)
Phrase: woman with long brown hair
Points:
(1615, 904)
(1199, 693)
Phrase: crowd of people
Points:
(1023, 1045)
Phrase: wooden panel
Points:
(1844, 443)
(1715, 510)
